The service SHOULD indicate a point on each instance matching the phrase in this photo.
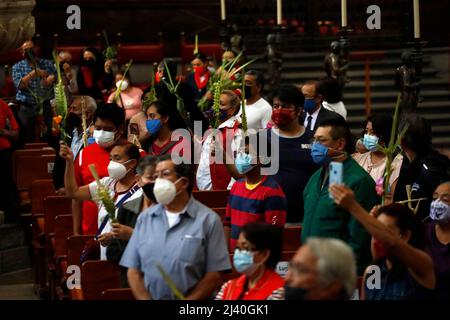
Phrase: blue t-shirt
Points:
(295, 168)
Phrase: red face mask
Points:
(282, 116)
(158, 76)
(200, 70)
(379, 250)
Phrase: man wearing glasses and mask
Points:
(179, 234)
(333, 142)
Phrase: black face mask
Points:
(73, 120)
(148, 191)
(89, 63)
(248, 92)
(294, 293)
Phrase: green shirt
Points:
(324, 218)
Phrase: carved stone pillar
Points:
(16, 23)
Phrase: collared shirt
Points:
(77, 142)
(313, 119)
(21, 69)
(324, 218)
(192, 247)
(109, 183)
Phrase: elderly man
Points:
(33, 76)
(70, 74)
(179, 234)
(74, 127)
(322, 269)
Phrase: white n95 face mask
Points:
(117, 170)
(124, 85)
(104, 139)
(165, 191)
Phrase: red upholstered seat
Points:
(141, 53)
(208, 49)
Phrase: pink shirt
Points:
(131, 98)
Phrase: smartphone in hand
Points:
(335, 173)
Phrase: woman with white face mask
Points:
(377, 133)
(257, 253)
(121, 182)
(129, 97)
(438, 239)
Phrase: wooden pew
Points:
(30, 165)
(117, 294)
(98, 276)
(74, 246)
(38, 191)
(53, 207)
(212, 199)
(292, 238)
(63, 230)
(36, 145)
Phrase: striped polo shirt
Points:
(265, 203)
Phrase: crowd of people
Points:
(348, 229)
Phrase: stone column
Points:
(16, 23)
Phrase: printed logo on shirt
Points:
(306, 146)
(274, 220)
(415, 187)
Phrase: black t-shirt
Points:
(424, 175)
(295, 168)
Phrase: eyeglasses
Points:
(320, 140)
(163, 174)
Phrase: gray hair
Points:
(335, 261)
(91, 105)
(144, 163)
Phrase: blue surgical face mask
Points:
(153, 126)
(243, 162)
(309, 105)
(370, 142)
(90, 140)
(319, 154)
(242, 260)
(440, 212)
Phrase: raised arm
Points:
(418, 262)
(70, 184)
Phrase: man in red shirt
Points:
(9, 130)
(109, 125)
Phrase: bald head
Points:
(65, 56)
(28, 50)
(27, 45)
